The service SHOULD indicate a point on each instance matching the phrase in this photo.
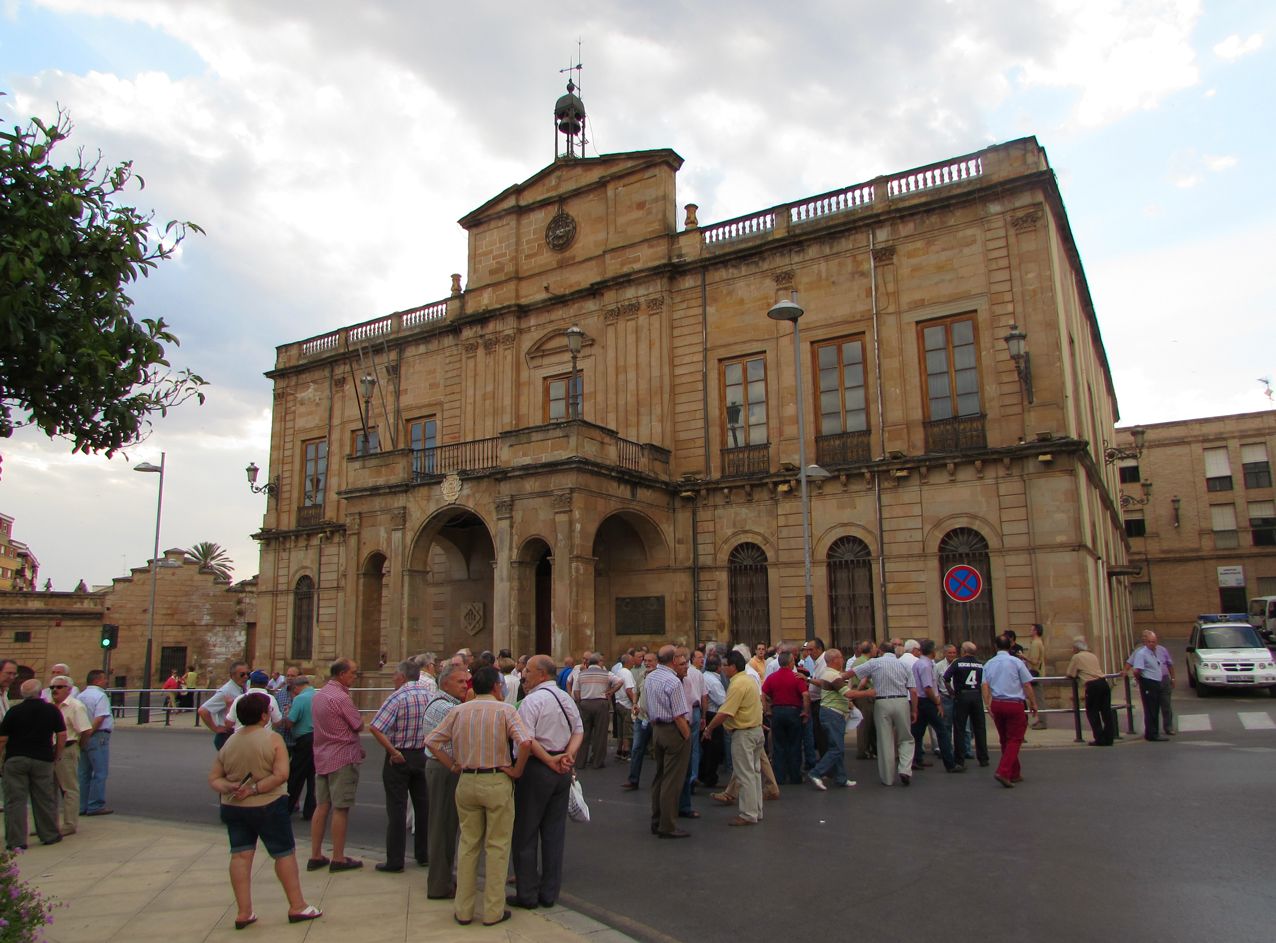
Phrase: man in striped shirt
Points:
(670, 718)
(481, 733)
(338, 754)
(593, 690)
(399, 728)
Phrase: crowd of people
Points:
(480, 751)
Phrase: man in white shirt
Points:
(626, 697)
(214, 711)
(258, 684)
(59, 668)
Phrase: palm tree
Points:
(211, 556)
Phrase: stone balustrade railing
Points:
(389, 325)
(847, 199)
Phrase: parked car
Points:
(1225, 651)
(1262, 616)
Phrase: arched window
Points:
(850, 575)
(303, 618)
(968, 621)
(748, 598)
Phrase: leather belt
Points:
(490, 769)
(887, 697)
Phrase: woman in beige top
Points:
(251, 775)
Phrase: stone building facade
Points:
(1200, 513)
(454, 475)
(199, 619)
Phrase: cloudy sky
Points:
(328, 147)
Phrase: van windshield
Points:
(1230, 636)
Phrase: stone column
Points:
(502, 573)
(564, 639)
(395, 639)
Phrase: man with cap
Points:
(1085, 667)
(257, 687)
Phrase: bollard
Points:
(1076, 710)
(1129, 704)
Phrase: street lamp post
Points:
(790, 310)
(575, 337)
(144, 696)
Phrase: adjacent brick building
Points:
(453, 475)
(199, 619)
(1200, 513)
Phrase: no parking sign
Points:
(962, 583)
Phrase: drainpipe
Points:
(881, 432)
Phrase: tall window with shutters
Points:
(1256, 468)
(968, 621)
(1218, 470)
(850, 578)
(954, 420)
(1262, 523)
(303, 618)
(748, 596)
(842, 434)
(315, 479)
(1223, 523)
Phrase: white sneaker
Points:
(849, 783)
(818, 783)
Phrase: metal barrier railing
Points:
(144, 701)
(1077, 708)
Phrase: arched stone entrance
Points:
(633, 598)
(448, 584)
(533, 631)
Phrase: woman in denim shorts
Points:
(251, 775)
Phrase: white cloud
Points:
(1219, 162)
(1233, 47)
(1122, 57)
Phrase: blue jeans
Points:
(832, 763)
(786, 741)
(642, 737)
(928, 716)
(684, 803)
(95, 762)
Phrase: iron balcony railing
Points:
(842, 448)
(746, 460)
(957, 434)
(476, 455)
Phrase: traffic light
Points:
(110, 636)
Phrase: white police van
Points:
(1225, 651)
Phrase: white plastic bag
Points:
(577, 808)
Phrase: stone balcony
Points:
(556, 443)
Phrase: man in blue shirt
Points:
(301, 725)
(1007, 686)
(1147, 667)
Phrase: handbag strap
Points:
(566, 719)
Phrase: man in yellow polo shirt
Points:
(742, 714)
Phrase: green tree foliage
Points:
(73, 360)
(211, 556)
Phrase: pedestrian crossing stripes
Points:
(1256, 720)
(1205, 723)
(1192, 723)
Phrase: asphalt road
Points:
(1167, 841)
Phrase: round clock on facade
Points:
(560, 231)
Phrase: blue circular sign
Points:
(963, 583)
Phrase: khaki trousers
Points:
(747, 751)
(769, 786)
(485, 808)
(67, 773)
(673, 753)
(894, 738)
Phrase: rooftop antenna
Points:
(569, 113)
